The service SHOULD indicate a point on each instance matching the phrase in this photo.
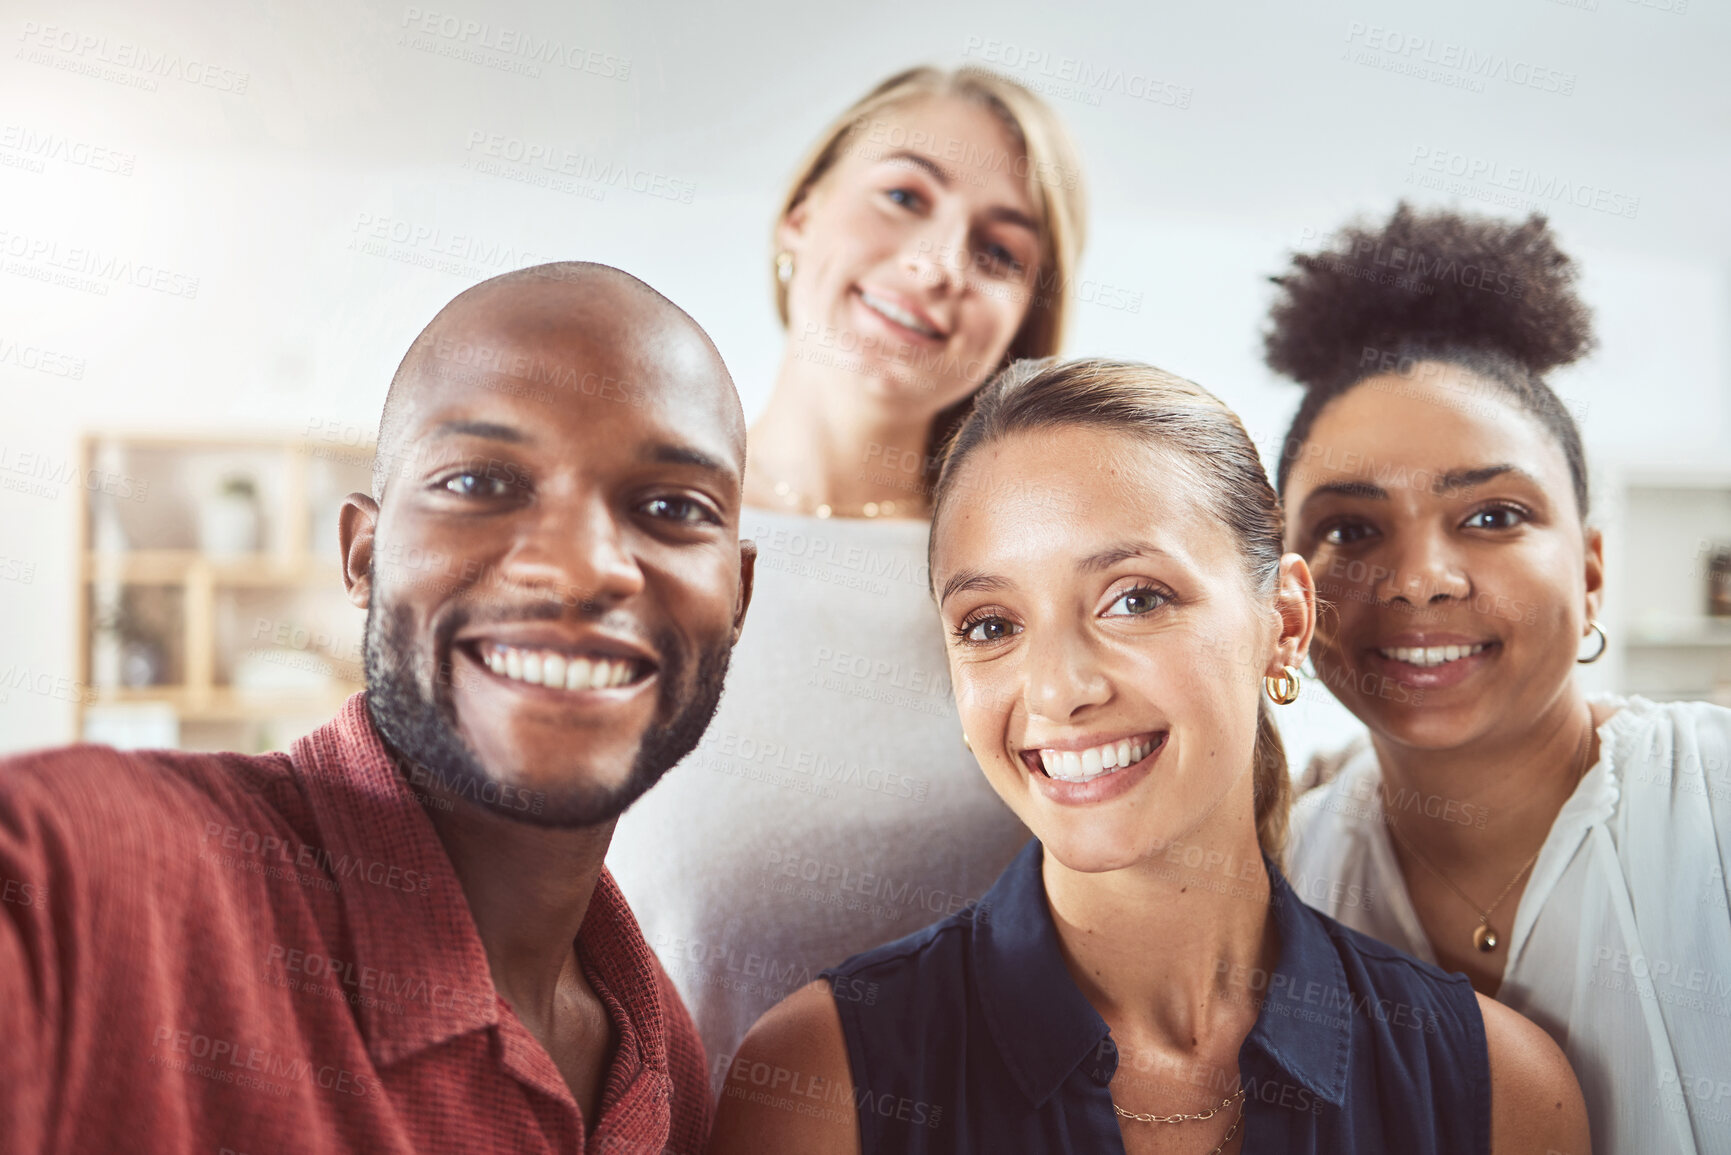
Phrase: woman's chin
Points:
(895, 384)
(1431, 725)
(1095, 850)
(886, 375)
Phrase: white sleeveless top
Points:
(831, 805)
(1621, 945)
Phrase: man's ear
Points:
(1595, 573)
(747, 574)
(1295, 603)
(357, 521)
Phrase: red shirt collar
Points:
(414, 941)
(410, 924)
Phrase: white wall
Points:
(262, 195)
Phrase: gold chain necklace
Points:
(802, 503)
(1208, 1114)
(1486, 937)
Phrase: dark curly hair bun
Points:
(1493, 297)
(1434, 281)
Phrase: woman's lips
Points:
(900, 320)
(1093, 786)
(1431, 667)
(1427, 657)
(1076, 763)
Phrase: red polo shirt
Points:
(218, 953)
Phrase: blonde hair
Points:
(1052, 172)
(1172, 413)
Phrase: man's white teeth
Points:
(1096, 761)
(1432, 655)
(544, 668)
(898, 315)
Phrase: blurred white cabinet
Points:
(1662, 528)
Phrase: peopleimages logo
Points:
(88, 52)
(471, 39)
(1090, 80)
(1457, 65)
(1461, 173)
(557, 161)
(44, 257)
(40, 360)
(37, 147)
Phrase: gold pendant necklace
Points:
(1486, 938)
(802, 503)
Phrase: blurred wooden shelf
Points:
(225, 703)
(174, 567)
(293, 481)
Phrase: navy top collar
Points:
(1045, 1029)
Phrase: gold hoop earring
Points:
(1604, 643)
(1282, 688)
(967, 743)
(784, 266)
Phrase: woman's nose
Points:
(937, 255)
(1062, 678)
(1425, 569)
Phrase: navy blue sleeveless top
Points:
(970, 1035)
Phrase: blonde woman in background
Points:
(926, 240)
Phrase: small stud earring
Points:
(784, 266)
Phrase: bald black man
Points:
(400, 936)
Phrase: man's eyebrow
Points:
(971, 579)
(667, 453)
(997, 212)
(491, 430)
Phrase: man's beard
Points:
(420, 725)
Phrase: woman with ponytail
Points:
(1567, 854)
(1121, 622)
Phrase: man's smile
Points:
(555, 657)
(561, 671)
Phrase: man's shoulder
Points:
(71, 772)
(96, 801)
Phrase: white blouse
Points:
(1621, 945)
